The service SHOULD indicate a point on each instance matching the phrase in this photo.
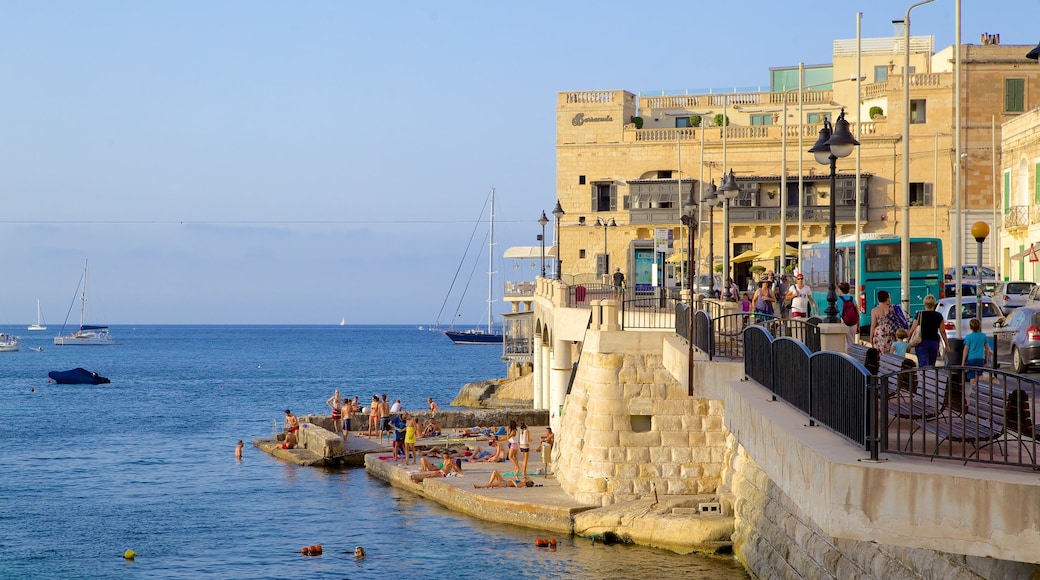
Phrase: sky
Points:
(262, 162)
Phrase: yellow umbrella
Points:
(774, 253)
(745, 256)
(677, 257)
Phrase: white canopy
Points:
(528, 252)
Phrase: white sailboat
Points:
(480, 335)
(87, 335)
(343, 321)
(40, 324)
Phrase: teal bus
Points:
(880, 264)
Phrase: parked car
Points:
(1022, 328)
(991, 315)
(970, 272)
(702, 285)
(1011, 295)
(950, 290)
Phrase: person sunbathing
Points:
(497, 480)
(498, 455)
(427, 469)
(432, 429)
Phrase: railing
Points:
(519, 289)
(743, 132)
(648, 312)
(581, 295)
(683, 320)
(1016, 216)
(812, 213)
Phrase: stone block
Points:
(596, 438)
(690, 471)
(602, 423)
(633, 439)
(681, 454)
(636, 454)
(666, 423)
(324, 443)
(649, 470)
(626, 471)
(600, 469)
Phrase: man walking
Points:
(801, 298)
(619, 279)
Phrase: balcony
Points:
(1016, 217)
(811, 213)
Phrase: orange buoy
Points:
(541, 542)
(305, 550)
(552, 542)
(318, 548)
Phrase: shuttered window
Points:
(1007, 191)
(1014, 95)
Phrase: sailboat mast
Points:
(83, 297)
(491, 259)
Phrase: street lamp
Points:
(558, 213)
(979, 231)
(728, 191)
(542, 221)
(828, 149)
(711, 198)
(689, 219)
(606, 257)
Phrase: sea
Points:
(147, 464)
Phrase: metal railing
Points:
(581, 295)
(1016, 216)
(648, 312)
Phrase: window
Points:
(1014, 95)
(880, 73)
(766, 119)
(664, 174)
(682, 122)
(581, 253)
(604, 197)
(602, 264)
(747, 196)
(581, 180)
(920, 194)
(845, 189)
(814, 118)
(917, 110)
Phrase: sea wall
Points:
(449, 419)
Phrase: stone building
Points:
(1020, 203)
(632, 160)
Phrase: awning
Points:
(677, 257)
(774, 253)
(745, 256)
(1026, 254)
(528, 252)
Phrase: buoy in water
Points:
(305, 550)
(129, 555)
(541, 542)
(552, 542)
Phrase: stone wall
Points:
(774, 538)
(630, 429)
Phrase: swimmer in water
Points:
(359, 553)
(238, 450)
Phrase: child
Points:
(745, 303)
(899, 346)
(976, 349)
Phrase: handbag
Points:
(915, 338)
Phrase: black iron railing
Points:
(648, 312)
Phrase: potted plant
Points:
(757, 271)
(638, 122)
(876, 112)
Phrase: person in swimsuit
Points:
(410, 438)
(427, 469)
(238, 449)
(514, 446)
(433, 406)
(498, 455)
(292, 424)
(335, 402)
(497, 480)
(384, 417)
(524, 440)
(373, 415)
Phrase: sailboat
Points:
(481, 335)
(40, 325)
(87, 335)
(343, 321)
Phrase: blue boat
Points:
(77, 376)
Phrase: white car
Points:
(991, 315)
(1011, 295)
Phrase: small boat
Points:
(343, 321)
(479, 335)
(40, 324)
(9, 343)
(36, 348)
(77, 376)
(87, 335)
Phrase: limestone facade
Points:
(1020, 181)
(607, 168)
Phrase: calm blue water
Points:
(147, 463)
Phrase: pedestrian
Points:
(933, 333)
(783, 301)
(763, 299)
(619, 279)
(524, 439)
(238, 449)
(335, 402)
(292, 424)
(433, 406)
(514, 446)
(852, 332)
(396, 407)
(384, 418)
(801, 298)
(883, 325)
(411, 431)
(732, 292)
(373, 415)
(976, 349)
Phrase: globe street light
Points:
(689, 219)
(979, 231)
(711, 198)
(558, 213)
(728, 191)
(542, 221)
(828, 148)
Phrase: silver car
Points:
(1011, 295)
(991, 315)
(1022, 328)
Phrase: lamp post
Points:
(711, 198)
(558, 213)
(979, 231)
(728, 191)
(828, 149)
(689, 219)
(606, 257)
(542, 221)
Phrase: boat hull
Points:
(81, 341)
(473, 337)
(36, 327)
(77, 376)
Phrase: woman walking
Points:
(882, 324)
(763, 300)
(514, 446)
(933, 333)
(524, 440)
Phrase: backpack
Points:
(849, 312)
